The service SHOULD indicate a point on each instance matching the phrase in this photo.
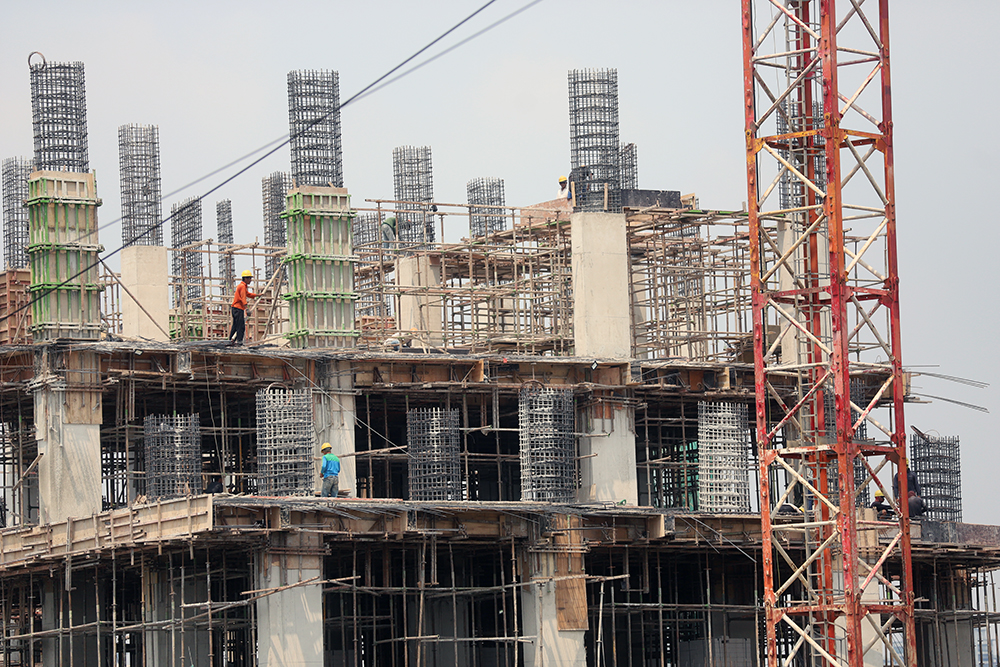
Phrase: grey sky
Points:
(211, 75)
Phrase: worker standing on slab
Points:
(239, 308)
(330, 472)
(564, 191)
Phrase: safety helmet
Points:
(879, 493)
(247, 274)
(562, 179)
(326, 446)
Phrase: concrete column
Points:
(601, 305)
(418, 311)
(608, 463)
(168, 587)
(555, 612)
(290, 621)
(335, 415)
(68, 431)
(144, 274)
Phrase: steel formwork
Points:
(432, 439)
(139, 158)
(15, 172)
(314, 127)
(413, 187)
(593, 139)
(59, 116)
(186, 265)
(937, 463)
(486, 206)
(172, 451)
(825, 308)
(274, 189)
(629, 165)
(723, 457)
(286, 440)
(548, 445)
(224, 230)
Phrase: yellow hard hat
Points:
(326, 446)
(562, 179)
(247, 274)
(879, 493)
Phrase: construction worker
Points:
(564, 191)
(388, 229)
(239, 308)
(883, 508)
(330, 472)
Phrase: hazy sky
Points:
(212, 76)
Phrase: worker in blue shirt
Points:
(330, 472)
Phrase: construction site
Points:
(610, 428)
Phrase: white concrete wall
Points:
(144, 273)
(417, 310)
(334, 409)
(609, 470)
(601, 305)
(69, 470)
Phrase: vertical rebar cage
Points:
(435, 472)
(629, 164)
(224, 230)
(413, 182)
(486, 202)
(139, 159)
(274, 190)
(286, 439)
(937, 464)
(172, 449)
(723, 457)
(314, 127)
(185, 230)
(593, 139)
(59, 116)
(15, 172)
(547, 445)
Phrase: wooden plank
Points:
(571, 604)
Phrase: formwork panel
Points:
(434, 471)
(547, 445)
(285, 442)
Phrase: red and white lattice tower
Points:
(837, 581)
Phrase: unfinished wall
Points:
(601, 310)
(144, 275)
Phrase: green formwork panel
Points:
(319, 274)
(60, 223)
(326, 235)
(306, 339)
(320, 312)
(66, 311)
(52, 265)
(319, 202)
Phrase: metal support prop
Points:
(822, 269)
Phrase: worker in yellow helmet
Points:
(564, 192)
(330, 472)
(883, 508)
(239, 308)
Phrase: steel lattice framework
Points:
(59, 116)
(413, 182)
(224, 228)
(15, 172)
(593, 139)
(139, 157)
(274, 189)
(185, 232)
(314, 127)
(825, 310)
(486, 202)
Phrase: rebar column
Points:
(593, 139)
(172, 448)
(285, 442)
(365, 228)
(629, 164)
(314, 127)
(186, 229)
(274, 189)
(15, 172)
(139, 157)
(938, 465)
(413, 182)
(547, 445)
(723, 457)
(59, 116)
(435, 472)
(224, 231)
(486, 202)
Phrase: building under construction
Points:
(545, 425)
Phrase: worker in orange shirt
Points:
(240, 306)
